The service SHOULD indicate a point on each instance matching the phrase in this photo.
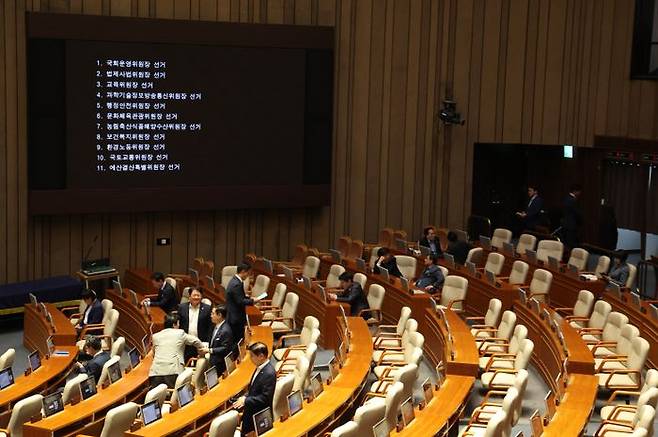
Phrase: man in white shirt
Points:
(195, 319)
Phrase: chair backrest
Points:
(454, 288)
(585, 303)
(495, 263)
(310, 353)
(643, 418)
(310, 324)
(394, 397)
(523, 354)
(334, 273)
(541, 283)
(356, 249)
(506, 325)
(520, 334)
(526, 242)
(224, 425)
(159, 393)
(493, 312)
(185, 296)
(444, 271)
(7, 359)
(407, 265)
(118, 346)
(500, 236)
(107, 305)
(475, 255)
(547, 248)
(373, 256)
(649, 397)
(632, 273)
(289, 309)
(311, 267)
(368, 415)
(650, 380)
(578, 258)
(111, 324)
(183, 378)
(344, 243)
(602, 310)
(405, 313)
(119, 419)
(227, 273)
(282, 389)
(279, 295)
(199, 373)
(361, 279)
(637, 355)
(496, 425)
(376, 296)
(602, 266)
(22, 412)
(261, 285)
(347, 429)
(72, 386)
(407, 375)
(519, 272)
(520, 383)
(510, 402)
(197, 263)
(105, 375)
(301, 373)
(613, 326)
(171, 281)
(410, 327)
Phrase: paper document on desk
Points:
(588, 277)
(260, 297)
(59, 353)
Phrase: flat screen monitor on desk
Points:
(151, 412)
(295, 402)
(531, 255)
(34, 360)
(230, 363)
(52, 404)
(316, 385)
(450, 260)
(381, 429)
(115, 372)
(134, 357)
(287, 272)
(383, 272)
(263, 421)
(88, 387)
(485, 242)
(6, 377)
(211, 378)
(335, 256)
(185, 395)
(407, 412)
(116, 285)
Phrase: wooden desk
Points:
(37, 329)
(133, 323)
(195, 417)
(92, 278)
(88, 415)
(322, 414)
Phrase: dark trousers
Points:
(570, 238)
(170, 380)
(190, 352)
(238, 334)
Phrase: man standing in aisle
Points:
(195, 320)
(236, 303)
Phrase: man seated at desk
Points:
(99, 357)
(619, 271)
(167, 298)
(387, 260)
(260, 392)
(352, 294)
(93, 314)
(457, 248)
(431, 280)
(430, 241)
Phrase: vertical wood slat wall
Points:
(521, 71)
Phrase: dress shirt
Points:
(532, 199)
(214, 332)
(257, 371)
(192, 328)
(87, 311)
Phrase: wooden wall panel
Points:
(531, 71)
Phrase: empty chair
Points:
(282, 389)
(361, 279)
(475, 255)
(118, 346)
(284, 321)
(500, 236)
(504, 376)
(578, 258)
(393, 330)
(495, 263)
(388, 369)
(400, 354)
(261, 285)
(23, 411)
(72, 387)
(650, 381)
(582, 308)
(347, 429)
(394, 342)
(288, 365)
(407, 265)
(551, 248)
(269, 307)
(453, 293)
(301, 373)
(486, 411)
(185, 377)
(105, 375)
(373, 257)
(502, 332)
(332, 278)
(159, 393)
(375, 298)
(343, 246)
(596, 321)
(393, 400)
(490, 319)
(311, 267)
(630, 377)
(519, 273)
(368, 415)
(642, 419)
(304, 338)
(407, 375)
(513, 359)
(119, 419)
(107, 305)
(495, 346)
(526, 242)
(540, 285)
(7, 359)
(225, 424)
(488, 407)
(227, 273)
(610, 331)
(632, 273)
(625, 413)
(602, 266)
(495, 427)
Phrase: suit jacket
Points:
(390, 265)
(431, 275)
(426, 243)
(355, 296)
(169, 351)
(459, 249)
(259, 396)
(167, 299)
(94, 366)
(571, 217)
(95, 314)
(236, 302)
(532, 212)
(220, 345)
(204, 323)
(619, 274)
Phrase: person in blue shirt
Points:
(431, 280)
(430, 241)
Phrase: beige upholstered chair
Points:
(368, 415)
(596, 321)
(608, 354)
(578, 258)
(393, 400)
(311, 267)
(552, 248)
(288, 364)
(282, 389)
(500, 236)
(332, 278)
(158, 393)
(373, 257)
(631, 376)
(625, 413)
(7, 359)
(23, 411)
(484, 413)
(393, 330)
(407, 375)
(519, 273)
(105, 375)
(500, 372)
(488, 408)
(301, 373)
(199, 371)
(74, 314)
(490, 319)
(502, 346)
(453, 294)
(602, 266)
(389, 365)
(407, 265)
(361, 279)
(119, 419)
(227, 274)
(475, 255)
(502, 332)
(526, 242)
(224, 425)
(642, 420)
(400, 354)
(381, 344)
(118, 346)
(375, 298)
(306, 336)
(495, 427)
(284, 321)
(261, 285)
(582, 308)
(185, 377)
(72, 387)
(632, 274)
(348, 429)
(650, 381)
(495, 263)
(540, 285)
(105, 330)
(107, 305)
(610, 331)
(274, 304)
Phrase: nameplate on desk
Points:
(58, 353)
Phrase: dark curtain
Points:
(624, 188)
(652, 204)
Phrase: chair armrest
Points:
(531, 295)
(493, 360)
(286, 337)
(564, 309)
(491, 393)
(388, 353)
(384, 328)
(501, 372)
(615, 393)
(483, 327)
(591, 330)
(601, 368)
(372, 394)
(602, 344)
(91, 328)
(487, 329)
(452, 302)
(622, 372)
(475, 318)
(620, 409)
(378, 342)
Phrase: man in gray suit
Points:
(169, 351)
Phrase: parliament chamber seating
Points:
(549, 248)
(501, 236)
(526, 242)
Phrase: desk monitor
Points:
(404, 282)
(653, 309)
(508, 248)
(428, 391)
(146, 343)
(34, 360)
(334, 369)
(424, 251)
(6, 377)
(133, 298)
(267, 263)
(230, 363)
(307, 282)
(615, 290)
(335, 256)
(531, 255)
(323, 293)
(407, 412)
(551, 404)
(185, 395)
(450, 260)
(49, 318)
(346, 329)
(50, 344)
(52, 403)
(491, 277)
(134, 357)
(439, 373)
(470, 266)
(316, 384)
(572, 268)
(115, 372)
(263, 421)
(33, 299)
(635, 299)
(242, 348)
(212, 378)
(360, 264)
(151, 412)
(287, 272)
(381, 429)
(383, 272)
(211, 282)
(88, 387)
(485, 242)
(523, 297)
(295, 402)
(194, 275)
(340, 355)
(116, 286)
(537, 423)
(553, 263)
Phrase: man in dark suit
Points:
(352, 294)
(195, 320)
(431, 280)
(260, 393)
(99, 357)
(93, 314)
(430, 241)
(167, 297)
(571, 217)
(221, 339)
(236, 303)
(387, 261)
(457, 248)
(530, 216)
